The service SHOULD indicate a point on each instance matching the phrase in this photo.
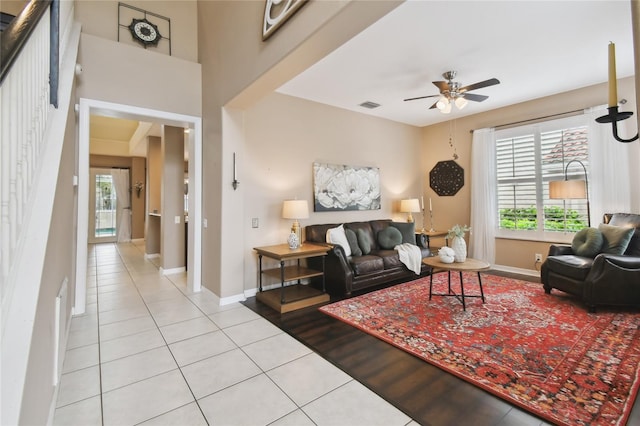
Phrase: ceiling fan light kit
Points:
(452, 93)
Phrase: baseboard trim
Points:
(172, 271)
(232, 299)
(151, 255)
(137, 240)
(522, 271)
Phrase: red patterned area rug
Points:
(544, 353)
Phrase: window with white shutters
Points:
(527, 159)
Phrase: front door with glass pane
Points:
(102, 207)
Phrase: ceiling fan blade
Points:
(479, 85)
(421, 97)
(474, 97)
(434, 105)
(441, 85)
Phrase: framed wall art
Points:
(339, 187)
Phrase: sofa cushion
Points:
(616, 238)
(390, 258)
(587, 242)
(353, 242)
(408, 231)
(633, 220)
(576, 267)
(364, 240)
(365, 264)
(389, 237)
(337, 236)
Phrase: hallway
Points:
(149, 352)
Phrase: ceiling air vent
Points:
(370, 105)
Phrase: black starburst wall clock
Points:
(144, 32)
(446, 178)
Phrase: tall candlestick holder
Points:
(431, 221)
(423, 218)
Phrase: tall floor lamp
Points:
(576, 189)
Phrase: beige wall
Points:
(154, 195)
(236, 61)
(286, 135)
(123, 74)
(138, 211)
(100, 18)
(12, 7)
(451, 210)
(172, 237)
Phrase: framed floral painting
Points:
(338, 187)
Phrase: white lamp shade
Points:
(567, 189)
(410, 205)
(295, 209)
(461, 102)
(442, 103)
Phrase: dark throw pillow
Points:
(364, 241)
(408, 231)
(353, 242)
(389, 237)
(616, 238)
(587, 242)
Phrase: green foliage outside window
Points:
(555, 219)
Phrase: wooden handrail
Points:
(16, 34)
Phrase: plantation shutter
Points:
(558, 148)
(527, 159)
(516, 173)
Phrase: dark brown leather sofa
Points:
(607, 279)
(344, 275)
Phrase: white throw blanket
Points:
(410, 255)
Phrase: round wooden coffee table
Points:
(469, 265)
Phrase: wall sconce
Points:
(138, 186)
(235, 182)
(410, 205)
(295, 209)
(614, 115)
(571, 189)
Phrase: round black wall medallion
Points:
(446, 178)
(144, 32)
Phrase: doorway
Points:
(86, 108)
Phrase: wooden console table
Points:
(290, 297)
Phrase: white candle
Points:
(430, 205)
(613, 80)
(422, 202)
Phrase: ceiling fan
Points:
(451, 92)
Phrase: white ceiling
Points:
(535, 49)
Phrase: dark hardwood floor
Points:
(427, 394)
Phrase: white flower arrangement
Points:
(458, 231)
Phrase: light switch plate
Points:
(177, 219)
(205, 223)
(254, 222)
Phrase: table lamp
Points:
(295, 209)
(410, 205)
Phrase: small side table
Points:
(290, 297)
(433, 234)
(469, 265)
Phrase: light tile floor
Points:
(148, 351)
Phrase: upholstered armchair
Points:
(600, 274)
